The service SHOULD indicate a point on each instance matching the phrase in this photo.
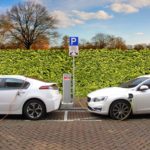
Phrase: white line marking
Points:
(66, 116)
(75, 120)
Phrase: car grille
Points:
(88, 99)
(95, 109)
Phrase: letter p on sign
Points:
(73, 41)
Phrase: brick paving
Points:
(133, 134)
(82, 115)
(57, 115)
(83, 130)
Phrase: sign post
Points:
(73, 51)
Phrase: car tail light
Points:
(46, 87)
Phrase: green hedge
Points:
(94, 68)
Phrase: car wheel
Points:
(120, 110)
(34, 110)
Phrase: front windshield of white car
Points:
(133, 83)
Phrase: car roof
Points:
(147, 76)
(13, 76)
(21, 77)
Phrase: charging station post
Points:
(68, 79)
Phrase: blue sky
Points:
(84, 18)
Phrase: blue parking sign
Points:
(73, 41)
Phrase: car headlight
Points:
(98, 99)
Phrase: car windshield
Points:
(133, 83)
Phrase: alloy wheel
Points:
(120, 110)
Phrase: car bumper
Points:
(54, 103)
(57, 101)
(98, 108)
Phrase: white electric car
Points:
(132, 97)
(30, 97)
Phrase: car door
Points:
(11, 94)
(142, 99)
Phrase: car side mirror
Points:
(143, 88)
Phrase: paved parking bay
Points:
(61, 115)
(75, 130)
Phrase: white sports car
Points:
(30, 97)
(132, 97)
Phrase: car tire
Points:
(34, 110)
(120, 110)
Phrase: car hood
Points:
(109, 92)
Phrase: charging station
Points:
(68, 79)
(67, 91)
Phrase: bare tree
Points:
(29, 21)
(148, 46)
(139, 47)
(110, 40)
(54, 37)
(4, 28)
(102, 40)
(99, 40)
(41, 43)
(83, 43)
(120, 43)
(65, 42)
(115, 43)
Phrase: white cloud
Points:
(92, 15)
(83, 15)
(140, 33)
(77, 17)
(128, 6)
(65, 20)
(36, 1)
(69, 5)
(103, 15)
(122, 7)
(77, 21)
(139, 3)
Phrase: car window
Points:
(11, 83)
(133, 83)
(147, 83)
(1, 83)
